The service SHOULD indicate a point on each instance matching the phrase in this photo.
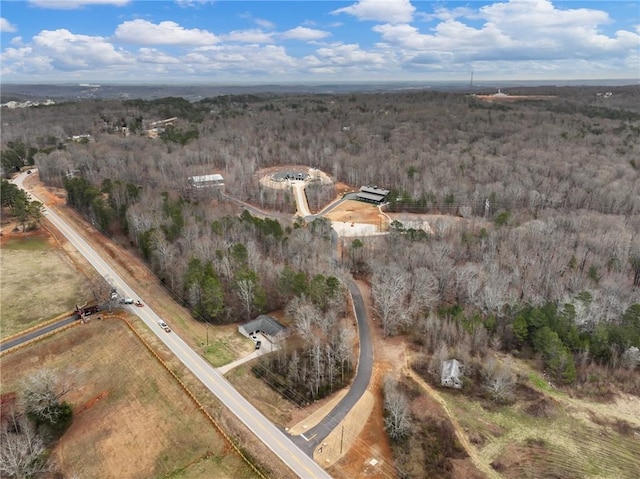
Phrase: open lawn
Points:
(37, 282)
(131, 418)
(258, 393)
(222, 344)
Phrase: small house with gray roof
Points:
(266, 325)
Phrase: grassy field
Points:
(544, 436)
(131, 418)
(264, 398)
(38, 282)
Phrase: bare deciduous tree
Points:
(246, 293)
(397, 416)
(499, 380)
(42, 392)
(21, 449)
(389, 289)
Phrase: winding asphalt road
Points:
(314, 436)
(276, 440)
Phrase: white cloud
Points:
(23, 61)
(68, 51)
(391, 11)
(73, 4)
(304, 33)
(350, 55)
(241, 59)
(261, 22)
(61, 52)
(248, 36)
(153, 55)
(143, 32)
(507, 39)
(5, 26)
(517, 30)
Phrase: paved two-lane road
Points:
(270, 435)
(12, 343)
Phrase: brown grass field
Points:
(38, 281)
(131, 418)
(546, 433)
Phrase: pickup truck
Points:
(164, 326)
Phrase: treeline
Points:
(435, 151)
(104, 205)
(17, 155)
(542, 288)
(28, 212)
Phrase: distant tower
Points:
(471, 81)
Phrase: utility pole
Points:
(342, 439)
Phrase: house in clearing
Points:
(372, 194)
(267, 326)
(451, 375)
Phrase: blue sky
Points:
(263, 41)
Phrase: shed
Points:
(451, 375)
(267, 325)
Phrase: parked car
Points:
(258, 344)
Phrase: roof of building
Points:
(205, 178)
(265, 324)
(451, 368)
(374, 190)
(370, 197)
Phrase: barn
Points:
(372, 194)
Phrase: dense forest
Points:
(543, 258)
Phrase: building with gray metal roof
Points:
(372, 194)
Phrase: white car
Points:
(164, 326)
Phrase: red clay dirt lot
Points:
(357, 212)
